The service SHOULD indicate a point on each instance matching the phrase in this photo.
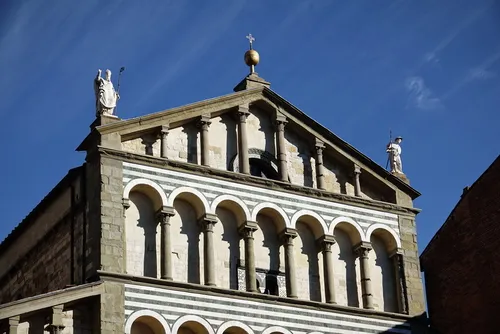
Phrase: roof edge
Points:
(462, 198)
(40, 207)
(412, 192)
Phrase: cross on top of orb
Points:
(251, 39)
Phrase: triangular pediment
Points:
(264, 105)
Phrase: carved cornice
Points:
(276, 300)
(254, 181)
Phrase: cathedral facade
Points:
(238, 214)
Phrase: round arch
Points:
(190, 191)
(234, 199)
(255, 153)
(194, 318)
(229, 324)
(259, 207)
(302, 213)
(276, 329)
(146, 313)
(145, 183)
(351, 222)
(379, 226)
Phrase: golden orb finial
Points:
(251, 56)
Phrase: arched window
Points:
(262, 168)
(262, 164)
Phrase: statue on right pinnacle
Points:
(394, 150)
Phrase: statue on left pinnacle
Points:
(106, 96)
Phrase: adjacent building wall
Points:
(48, 253)
(461, 263)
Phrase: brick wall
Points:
(461, 263)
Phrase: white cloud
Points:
(420, 96)
(481, 74)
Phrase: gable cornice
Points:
(264, 95)
(330, 139)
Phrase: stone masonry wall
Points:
(112, 309)
(415, 291)
(47, 266)
(112, 221)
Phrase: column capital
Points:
(126, 203)
(207, 222)
(280, 122)
(362, 249)
(326, 242)
(163, 215)
(287, 235)
(164, 129)
(395, 252)
(319, 145)
(204, 121)
(14, 321)
(243, 110)
(357, 169)
(246, 230)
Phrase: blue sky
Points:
(428, 70)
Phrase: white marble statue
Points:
(106, 96)
(394, 150)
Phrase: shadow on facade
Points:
(231, 237)
(417, 325)
(191, 229)
(346, 255)
(232, 137)
(192, 142)
(271, 241)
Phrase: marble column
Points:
(399, 274)
(204, 123)
(326, 242)
(243, 159)
(165, 243)
(163, 138)
(56, 323)
(362, 250)
(281, 147)
(287, 237)
(207, 223)
(320, 177)
(357, 185)
(13, 325)
(148, 142)
(246, 231)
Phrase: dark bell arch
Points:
(262, 164)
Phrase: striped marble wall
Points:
(172, 308)
(253, 199)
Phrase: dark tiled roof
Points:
(41, 207)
